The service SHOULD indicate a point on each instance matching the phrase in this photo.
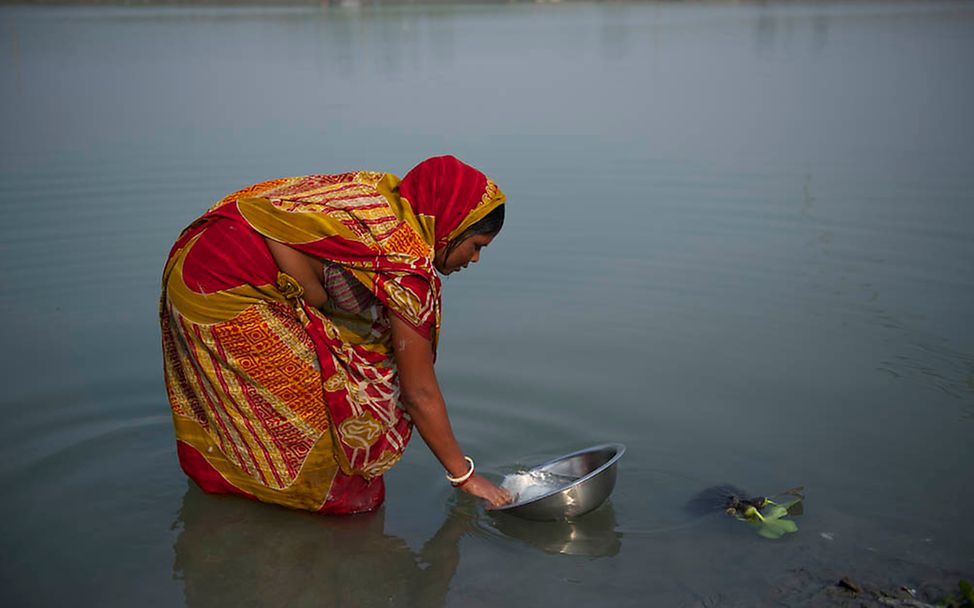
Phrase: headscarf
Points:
(448, 196)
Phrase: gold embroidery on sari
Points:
(360, 431)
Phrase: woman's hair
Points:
(489, 224)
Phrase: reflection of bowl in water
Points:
(586, 478)
(591, 536)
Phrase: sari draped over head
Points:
(283, 402)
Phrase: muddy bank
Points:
(822, 589)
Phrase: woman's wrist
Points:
(459, 480)
(464, 482)
(454, 462)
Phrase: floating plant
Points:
(768, 517)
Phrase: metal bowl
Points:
(590, 477)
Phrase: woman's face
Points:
(466, 252)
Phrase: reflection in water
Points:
(593, 535)
(774, 30)
(820, 33)
(233, 551)
(15, 55)
(614, 34)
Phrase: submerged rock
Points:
(847, 583)
(713, 499)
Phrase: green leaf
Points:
(774, 525)
(769, 521)
(795, 506)
(773, 528)
(776, 528)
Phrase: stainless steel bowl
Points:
(591, 476)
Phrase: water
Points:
(525, 486)
(740, 241)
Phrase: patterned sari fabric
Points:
(277, 400)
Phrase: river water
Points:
(740, 240)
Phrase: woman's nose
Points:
(476, 257)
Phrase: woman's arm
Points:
(305, 269)
(420, 394)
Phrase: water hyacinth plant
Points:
(767, 516)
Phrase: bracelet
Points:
(458, 481)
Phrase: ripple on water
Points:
(72, 433)
(91, 475)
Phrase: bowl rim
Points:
(619, 448)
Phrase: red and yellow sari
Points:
(277, 400)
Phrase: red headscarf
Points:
(448, 195)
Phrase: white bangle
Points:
(458, 480)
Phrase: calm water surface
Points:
(740, 241)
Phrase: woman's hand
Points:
(421, 396)
(481, 488)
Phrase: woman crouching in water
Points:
(300, 319)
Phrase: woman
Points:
(299, 327)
